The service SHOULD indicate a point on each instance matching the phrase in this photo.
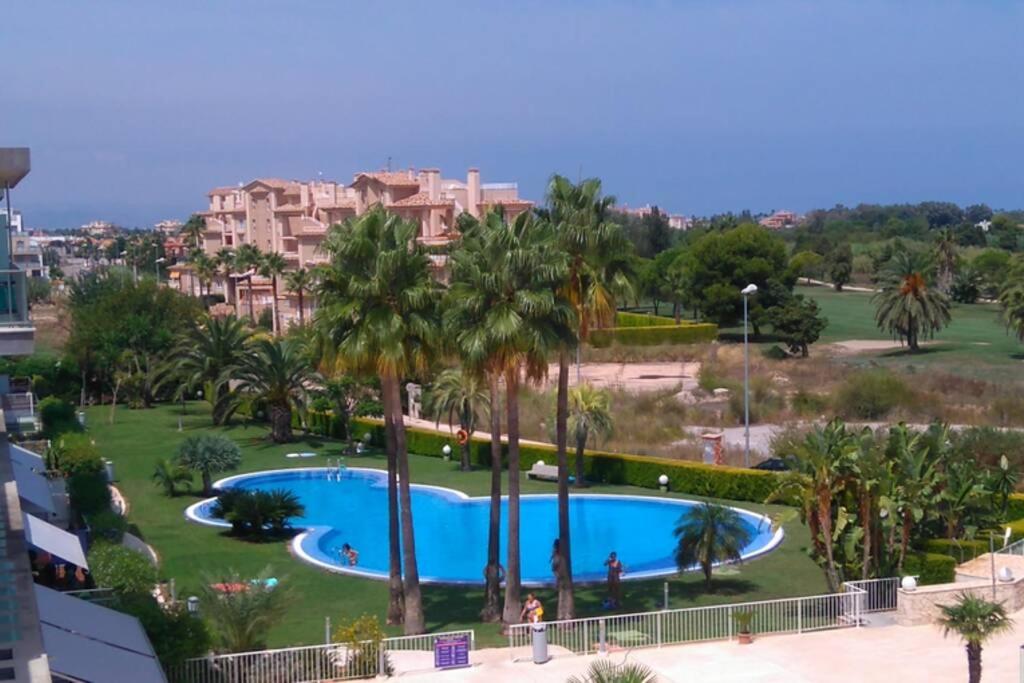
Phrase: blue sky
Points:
(133, 110)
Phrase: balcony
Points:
(17, 335)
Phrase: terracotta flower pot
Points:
(745, 638)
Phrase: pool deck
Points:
(884, 652)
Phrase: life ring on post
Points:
(462, 436)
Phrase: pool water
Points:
(451, 528)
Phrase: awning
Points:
(87, 642)
(54, 540)
(33, 487)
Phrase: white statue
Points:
(414, 390)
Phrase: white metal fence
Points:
(879, 594)
(673, 627)
(1015, 548)
(332, 662)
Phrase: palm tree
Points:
(276, 373)
(1011, 299)
(907, 307)
(205, 269)
(946, 259)
(459, 393)
(247, 258)
(167, 475)
(589, 418)
(709, 534)
(299, 281)
(599, 267)
(975, 620)
(203, 355)
(820, 465)
(192, 231)
(225, 259)
(378, 307)
(272, 265)
(605, 671)
(505, 316)
(209, 454)
(242, 619)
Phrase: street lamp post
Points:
(158, 262)
(746, 292)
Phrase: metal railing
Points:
(331, 662)
(879, 594)
(1015, 548)
(674, 627)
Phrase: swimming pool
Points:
(451, 528)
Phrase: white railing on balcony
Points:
(331, 662)
(1015, 548)
(674, 627)
(879, 594)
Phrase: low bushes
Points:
(930, 568)
(256, 512)
(122, 569)
(687, 333)
(57, 417)
(871, 395)
(623, 319)
(960, 551)
(612, 468)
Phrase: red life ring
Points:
(462, 437)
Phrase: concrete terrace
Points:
(883, 652)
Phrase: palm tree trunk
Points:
(207, 483)
(566, 599)
(676, 311)
(974, 662)
(492, 573)
(252, 314)
(467, 425)
(865, 515)
(396, 596)
(510, 615)
(302, 312)
(414, 621)
(280, 424)
(273, 305)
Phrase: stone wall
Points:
(921, 605)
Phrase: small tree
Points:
(605, 671)
(126, 571)
(707, 534)
(167, 474)
(460, 394)
(363, 640)
(590, 417)
(798, 322)
(975, 620)
(209, 454)
(241, 619)
(839, 266)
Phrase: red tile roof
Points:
(421, 199)
(227, 189)
(507, 202)
(392, 179)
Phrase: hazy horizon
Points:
(134, 111)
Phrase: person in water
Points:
(615, 572)
(533, 610)
(349, 555)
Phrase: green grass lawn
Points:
(188, 551)
(975, 343)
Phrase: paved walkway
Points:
(887, 653)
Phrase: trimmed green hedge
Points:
(961, 551)
(1015, 506)
(613, 468)
(322, 423)
(624, 319)
(930, 568)
(687, 333)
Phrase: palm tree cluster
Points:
(869, 498)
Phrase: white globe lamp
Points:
(909, 583)
(446, 451)
(663, 482)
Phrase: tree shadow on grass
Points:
(924, 351)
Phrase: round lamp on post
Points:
(663, 482)
(446, 451)
(747, 292)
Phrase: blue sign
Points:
(451, 652)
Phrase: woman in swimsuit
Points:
(615, 572)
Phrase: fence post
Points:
(728, 618)
(660, 615)
(327, 630)
(602, 646)
(380, 659)
(800, 615)
(511, 641)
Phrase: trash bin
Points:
(540, 643)
(108, 466)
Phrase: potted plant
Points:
(743, 630)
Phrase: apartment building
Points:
(780, 220)
(292, 217)
(675, 221)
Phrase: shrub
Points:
(986, 445)
(89, 493)
(58, 417)
(930, 568)
(623, 319)
(255, 511)
(613, 468)
(688, 333)
(1015, 506)
(961, 551)
(871, 395)
(775, 352)
(107, 525)
(79, 455)
(122, 569)
(808, 404)
(209, 454)
(176, 634)
(363, 638)
(1008, 410)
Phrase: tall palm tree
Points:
(225, 259)
(460, 394)
(204, 268)
(598, 268)
(907, 307)
(276, 373)
(1011, 298)
(506, 316)
(379, 308)
(975, 620)
(590, 417)
(192, 231)
(248, 258)
(709, 534)
(272, 265)
(946, 259)
(300, 281)
(202, 356)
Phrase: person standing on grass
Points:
(615, 572)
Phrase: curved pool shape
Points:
(451, 528)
